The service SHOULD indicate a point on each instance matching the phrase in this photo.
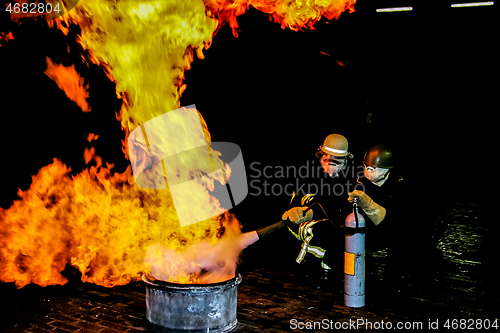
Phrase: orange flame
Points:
(292, 14)
(100, 221)
(70, 82)
(92, 136)
(5, 37)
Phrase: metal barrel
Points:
(172, 307)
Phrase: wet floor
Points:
(463, 245)
(456, 287)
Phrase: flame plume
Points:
(100, 221)
(70, 82)
(292, 14)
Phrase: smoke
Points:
(203, 262)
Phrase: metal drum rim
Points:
(170, 286)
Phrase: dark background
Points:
(428, 78)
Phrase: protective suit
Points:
(320, 243)
(397, 221)
(381, 195)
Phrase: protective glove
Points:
(363, 200)
(374, 211)
(296, 215)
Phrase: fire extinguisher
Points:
(354, 259)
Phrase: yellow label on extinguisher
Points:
(349, 263)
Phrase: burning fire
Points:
(100, 221)
(292, 14)
(70, 82)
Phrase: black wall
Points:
(429, 79)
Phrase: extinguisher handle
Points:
(355, 210)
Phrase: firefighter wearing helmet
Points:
(321, 243)
(378, 163)
(401, 221)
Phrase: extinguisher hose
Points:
(324, 212)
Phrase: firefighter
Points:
(318, 230)
(379, 183)
(385, 201)
(383, 196)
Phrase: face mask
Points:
(331, 165)
(377, 176)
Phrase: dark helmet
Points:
(379, 156)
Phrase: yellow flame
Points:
(146, 45)
(292, 14)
